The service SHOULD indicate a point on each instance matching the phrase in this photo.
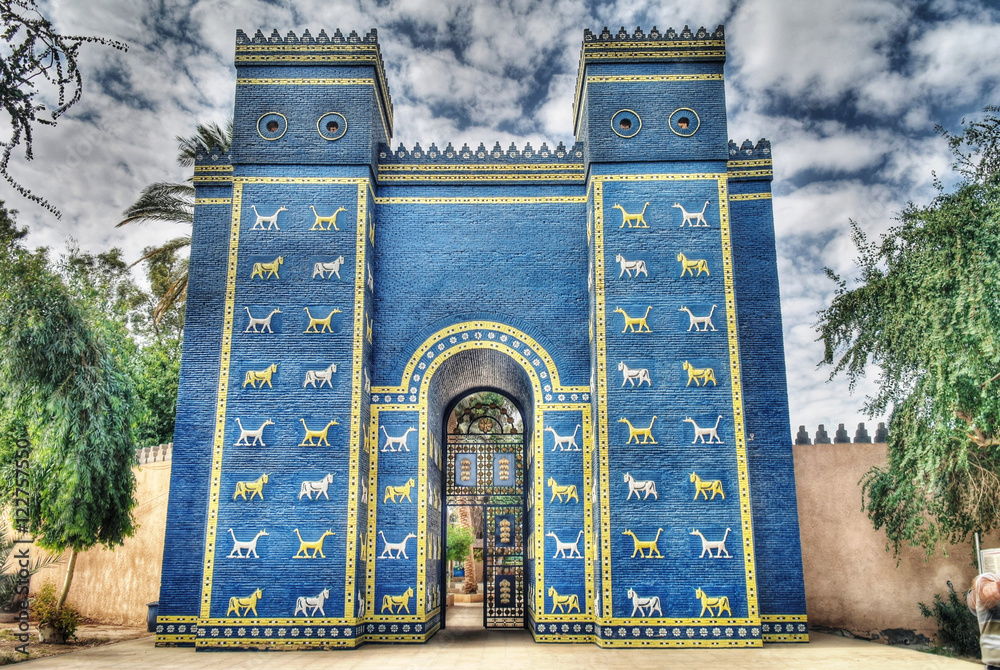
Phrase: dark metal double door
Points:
(503, 566)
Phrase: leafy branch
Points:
(36, 60)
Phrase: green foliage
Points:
(10, 582)
(157, 377)
(152, 350)
(459, 541)
(45, 605)
(958, 628)
(65, 377)
(927, 313)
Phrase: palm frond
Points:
(165, 249)
(162, 201)
(177, 293)
(207, 137)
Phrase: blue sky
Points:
(848, 92)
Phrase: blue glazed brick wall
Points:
(180, 584)
(776, 528)
(521, 263)
(654, 102)
(302, 144)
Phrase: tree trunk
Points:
(69, 578)
(465, 520)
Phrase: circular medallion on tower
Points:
(626, 123)
(272, 126)
(331, 126)
(684, 122)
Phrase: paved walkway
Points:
(465, 645)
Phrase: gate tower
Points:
(614, 303)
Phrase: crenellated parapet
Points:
(481, 154)
(560, 164)
(623, 36)
(842, 436)
(750, 151)
(371, 37)
(158, 453)
(749, 161)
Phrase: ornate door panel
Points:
(503, 567)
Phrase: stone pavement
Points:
(465, 645)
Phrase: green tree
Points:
(460, 540)
(926, 311)
(103, 282)
(157, 377)
(36, 61)
(64, 374)
(167, 202)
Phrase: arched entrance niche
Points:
(447, 366)
(480, 407)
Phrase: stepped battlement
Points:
(482, 155)
(371, 37)
(653, 35)
(841, 436)
(749, 151)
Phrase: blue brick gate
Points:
(346, 297)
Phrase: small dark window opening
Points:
(625, 124)
(332, 126)
(272, 126)
(683, 122)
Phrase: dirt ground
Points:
(89, 634)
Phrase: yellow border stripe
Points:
(220, 408)
(464, 179)
(350, 578)
(749, 196)
(737, 394)
(483, 201)
(616, 78)
(468, 327)
(213, 201)
(601, 376)
(759, 162)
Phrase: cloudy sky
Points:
(848, 92)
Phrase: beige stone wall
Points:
(114, 586)
(852, 582)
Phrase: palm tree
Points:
(174, 203)
(465, 520)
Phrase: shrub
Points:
(958, 628)
(459, 541)
(64, 619)
(10, 579)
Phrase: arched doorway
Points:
(484, 409)
(484, 494)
